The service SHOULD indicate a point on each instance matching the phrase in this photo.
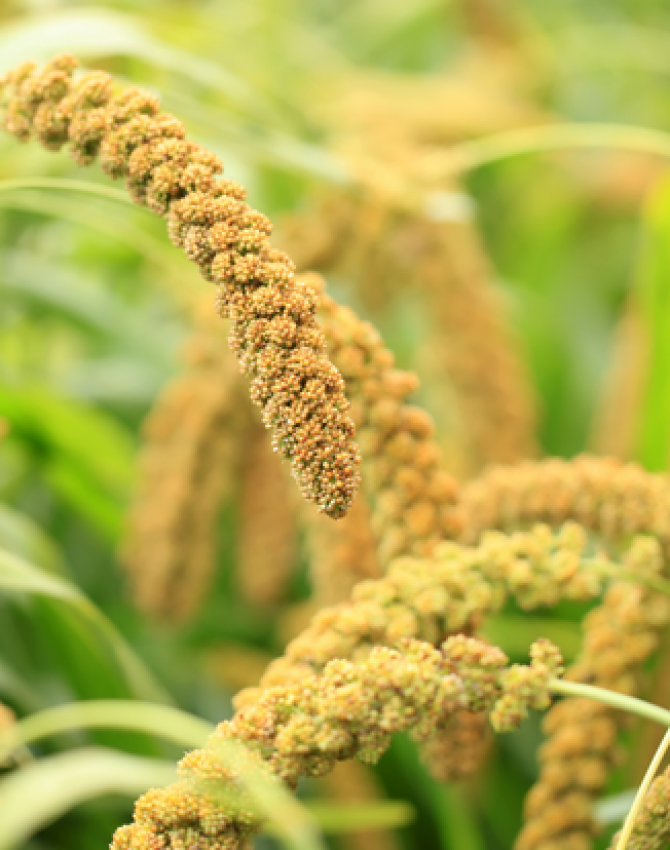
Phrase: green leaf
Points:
(99, 190)
(162, 720)
(91, 440)
(72, 486)
(454, 821)
(17, 575)
(23, 537)
(654, 298)
(17, 689)
(335, 818)
(87, 456)
(37, 794)
(69, 296)
(177, 274)
(91, 33)
(41, 791)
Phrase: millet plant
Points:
(405, 574)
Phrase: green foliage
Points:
(94, 631)
(55, 784)
(653, 445)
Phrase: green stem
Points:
(457, 160)
(652, 770)
(643, 709)
(470, 155)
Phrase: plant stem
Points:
(442, 166)
(473, 154)
(629, 823)
(643, 709)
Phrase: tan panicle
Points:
(460, 748)
(413, 499)
(607, 496)
(274, 330)
(397, 681)
(581, 749)
(350, 710)
(402, 464)
(186, 470)
(490, 411)
(429, 599)
(471, 346)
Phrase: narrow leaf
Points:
(654, 289)
(21, 536)
(95, 32)
(39, 793)
(19, 576)
(337, 818)
(161, 720)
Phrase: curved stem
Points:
(443, 165)
(631, 817)
(643, 709)
(478, 152)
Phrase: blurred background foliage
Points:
(305, 101)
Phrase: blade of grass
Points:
(162, 720)
(21, 536)
(653, 441)
(176, 276)
(88, 439)
(64, 184)
(452, 815)
(39, 793)
(189, 731)
(334, 818)
(95, 32)
(17, 575)
(467, 156)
